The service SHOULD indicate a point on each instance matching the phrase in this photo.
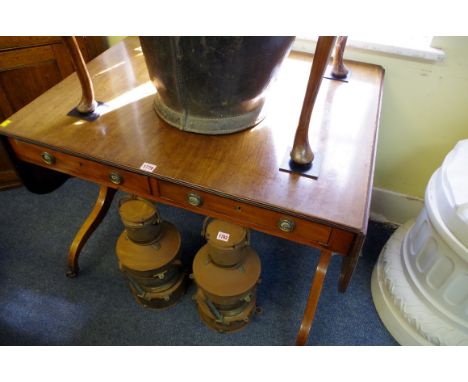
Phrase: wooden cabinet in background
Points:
(28, 67)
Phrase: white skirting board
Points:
(393, 207)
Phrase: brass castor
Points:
(72, 273)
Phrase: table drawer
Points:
(82, 168)
(256, 217)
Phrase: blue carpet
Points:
(40, 306)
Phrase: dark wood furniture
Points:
(233, 177)
(28, 67)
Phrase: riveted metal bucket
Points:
(227, 243)
(213, 85)
(140, 218)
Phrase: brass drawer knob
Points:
(115, 178)
(48, 158)
(194, 199)
(286, 225)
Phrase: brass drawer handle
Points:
(286, 225)
(194, 199)
(48, 158)
(115, 178)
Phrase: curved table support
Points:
(100, 209)
(314, 296)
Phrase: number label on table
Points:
(148, 167)
(223, 236)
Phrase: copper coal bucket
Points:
(212, 85)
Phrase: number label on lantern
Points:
(222, 236)
(148, 167)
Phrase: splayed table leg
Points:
(100, 209)
(314, 296)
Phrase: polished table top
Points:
(243, 166)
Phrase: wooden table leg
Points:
(87, 104)
(100, 209)
(314, 296)
(349, 263)
(301, 152)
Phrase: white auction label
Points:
(148, 167)
(223, 236)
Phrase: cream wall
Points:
(114, 39)
(424, 113)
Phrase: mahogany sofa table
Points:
(233, 177)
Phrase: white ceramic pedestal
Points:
(420, 282)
